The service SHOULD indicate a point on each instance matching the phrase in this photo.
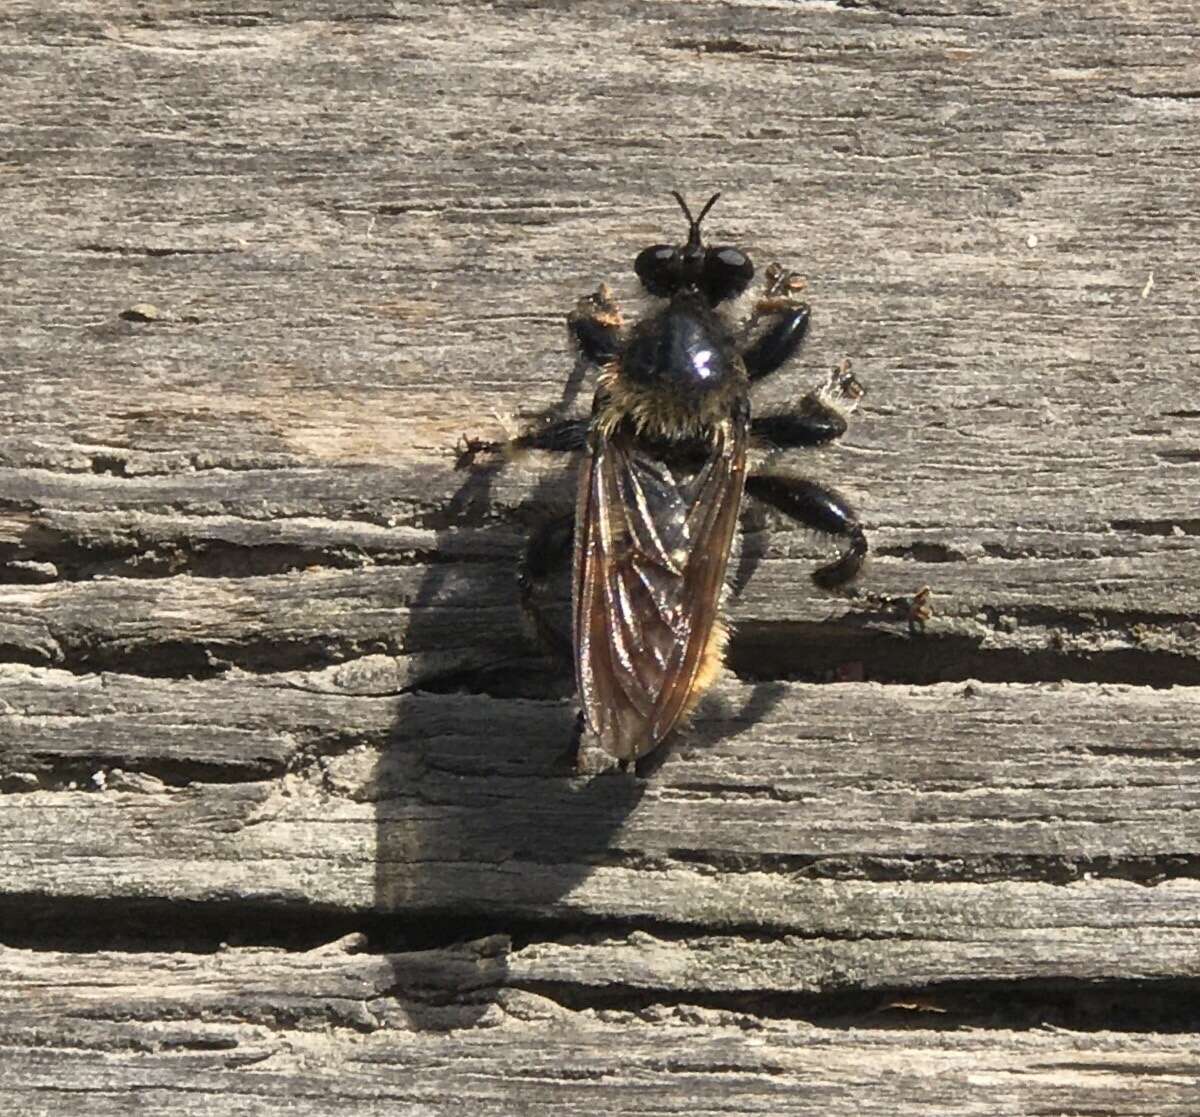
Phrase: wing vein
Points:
(652, 545)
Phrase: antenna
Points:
(694, 222)
(707, 206)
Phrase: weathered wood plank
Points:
(1124, 618)
(699, 967)
(950, 770)
(360, 226)
(268, 1031)
(1006, 348)
(784, 815)
(690, 1066)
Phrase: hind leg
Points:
(821, 509)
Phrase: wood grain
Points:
(263, 678)
(267, 1031)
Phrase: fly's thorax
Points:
(686, 347)
(679, 373)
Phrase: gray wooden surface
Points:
(285, 823)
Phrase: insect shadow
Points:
(482, 826)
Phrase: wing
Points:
(651, 547)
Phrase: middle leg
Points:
(594, 327)
(820, 416)
(564, 435)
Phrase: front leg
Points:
(595, 326)
(821, 509)
(778, 324)
(563, 435)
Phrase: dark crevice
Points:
(43, 769)
(65, 924)
(881, 7)
(1179, 457)
(207, 659)
(71, 562)
(872, 643)
(470, 514)
(149, 251)
(245, 17)
(530, 677)
(131, 558)
(82, 923)
(1163, 95)
(487, 206)
(1077, 622)
(975, 869)
(168, 659)
(921, 550)
(32, 921)
(23, 773)
(177, 659)
(716, 46)
(1167, 1005)
(1023, 551)
(1170, 752)
(817, 652)
(111, 464)
(495, 667)
(1179, 526)
(29, 657)
(379, 15)
(759, 54)
(813, 652)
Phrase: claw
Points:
(600, 307)
(782, 287)
(843, 389)
(919, 611)
(468, 449)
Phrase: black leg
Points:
(595, 326)
(778, 342)
(798, 429)
(822, 510)
(548, 551)
(819, 417)
(595, 329)
(778, 323)
(564, 435)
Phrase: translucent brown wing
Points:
(651, 547)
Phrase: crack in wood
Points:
(152, 250)
(344, 984)
(1166, 1006)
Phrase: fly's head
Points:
(718, 273)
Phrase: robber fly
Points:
(664, 476)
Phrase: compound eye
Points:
(659, 269)
(727, 273)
